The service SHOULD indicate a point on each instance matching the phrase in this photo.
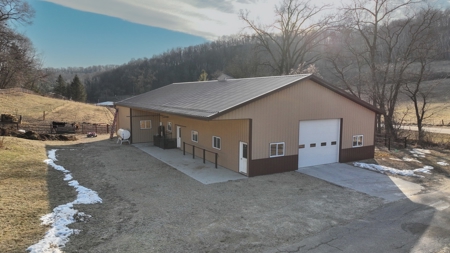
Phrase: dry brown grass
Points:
(31, 107)
(23, 193)
(439, 103)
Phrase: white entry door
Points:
(178, 137)
(318, 142)
(243, 153)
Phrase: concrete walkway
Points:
(205, 173)
(372, 183)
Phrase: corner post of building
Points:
(204, 160)
(193, 152)
(184, 148)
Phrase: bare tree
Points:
(384, 36)
(293, 38)
(421, 95)
(15, 11)
(19, 65)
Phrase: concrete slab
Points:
(206, 173)
(372, 183)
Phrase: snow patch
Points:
(406, 159)
(418, 152)
(442, 163)
(52, 155)
(384, 169)
(63, 215)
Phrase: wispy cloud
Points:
(206, 18)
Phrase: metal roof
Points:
(208, 99)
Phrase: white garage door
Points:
(318, 142)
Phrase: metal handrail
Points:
(204, 152)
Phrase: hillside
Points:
(32, 108)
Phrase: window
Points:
(312, 145)
(323, 144)
(358, 140)
(194, 136)
(276, 149)
(145, 124)
(216, 142)
(333, 143)
(169, 126)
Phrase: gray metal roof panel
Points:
(208, 98)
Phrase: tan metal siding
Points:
(231, 132)
(139, 135)
(123, 120)
(276, 117)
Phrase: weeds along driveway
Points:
(149, 206)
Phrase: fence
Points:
(98, 128)
(391, 142)
(48, 129)
(42, 129)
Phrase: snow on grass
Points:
(442, 163)
(418, 152)
(384, 169)
(63, 215)
(406, 159)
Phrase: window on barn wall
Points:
(276, 149)
(358, 140)
(169, 126)
(216, 142)
(145, 124)
(194, 136)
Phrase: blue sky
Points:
(66, 37)
(82, 33)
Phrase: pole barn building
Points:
(255, 126)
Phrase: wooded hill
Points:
(235, 56)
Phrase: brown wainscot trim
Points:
(272, 165)
(356, 154)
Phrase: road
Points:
(418, 224)
(440, 130)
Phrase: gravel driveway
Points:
(149, 206)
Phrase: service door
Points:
(318, 142)
(178, 137)
(243, 153)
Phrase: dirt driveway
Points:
(149, 206)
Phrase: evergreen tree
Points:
(77, 90)
(60, 87)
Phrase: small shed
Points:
(257, 126)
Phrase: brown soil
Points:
(149, 206)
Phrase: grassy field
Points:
(32, 108)
(439, 104)
(23, 193)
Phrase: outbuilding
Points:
(256, 126)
